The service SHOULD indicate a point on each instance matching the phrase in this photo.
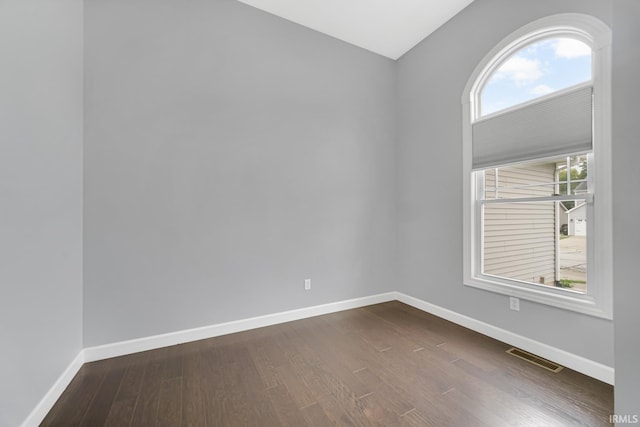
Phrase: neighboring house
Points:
(577, 220)
(520, 239)
(581, 188)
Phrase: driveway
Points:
(573, 260)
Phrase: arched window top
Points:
(538, 68)
(574, 38)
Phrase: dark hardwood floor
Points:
(387, 364)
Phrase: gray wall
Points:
(40, 198)
(626, 209)
(229, 155)
(431, 79)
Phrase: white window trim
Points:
(598, 301)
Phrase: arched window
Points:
(537, 176)
(540, 68)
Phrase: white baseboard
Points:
(90, 354)
(51, 397)
(570, 360)
(122, 348)
(577, 363)
(156, 341)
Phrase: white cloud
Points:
(571, 48)
(521, 70)
(541, 90)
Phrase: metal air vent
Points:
(538, 361)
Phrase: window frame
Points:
(598, 300)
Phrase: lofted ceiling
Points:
(387, 27)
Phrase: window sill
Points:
(555, 297)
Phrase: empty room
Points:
(315, 213)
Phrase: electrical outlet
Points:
(514, 303)
(307, 284)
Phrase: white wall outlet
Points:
(514, 303)
(307, 284)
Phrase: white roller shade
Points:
(559, 125)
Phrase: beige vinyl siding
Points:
(519, 238)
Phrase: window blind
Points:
(555, 126)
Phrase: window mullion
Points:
(536, 199)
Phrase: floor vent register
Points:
(538, 361)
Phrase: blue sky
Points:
(536, 70)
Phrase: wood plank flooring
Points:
(383, 365)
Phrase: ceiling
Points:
(387, 27)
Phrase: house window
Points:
(537, 166)
(524, 214)
(537, 69)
